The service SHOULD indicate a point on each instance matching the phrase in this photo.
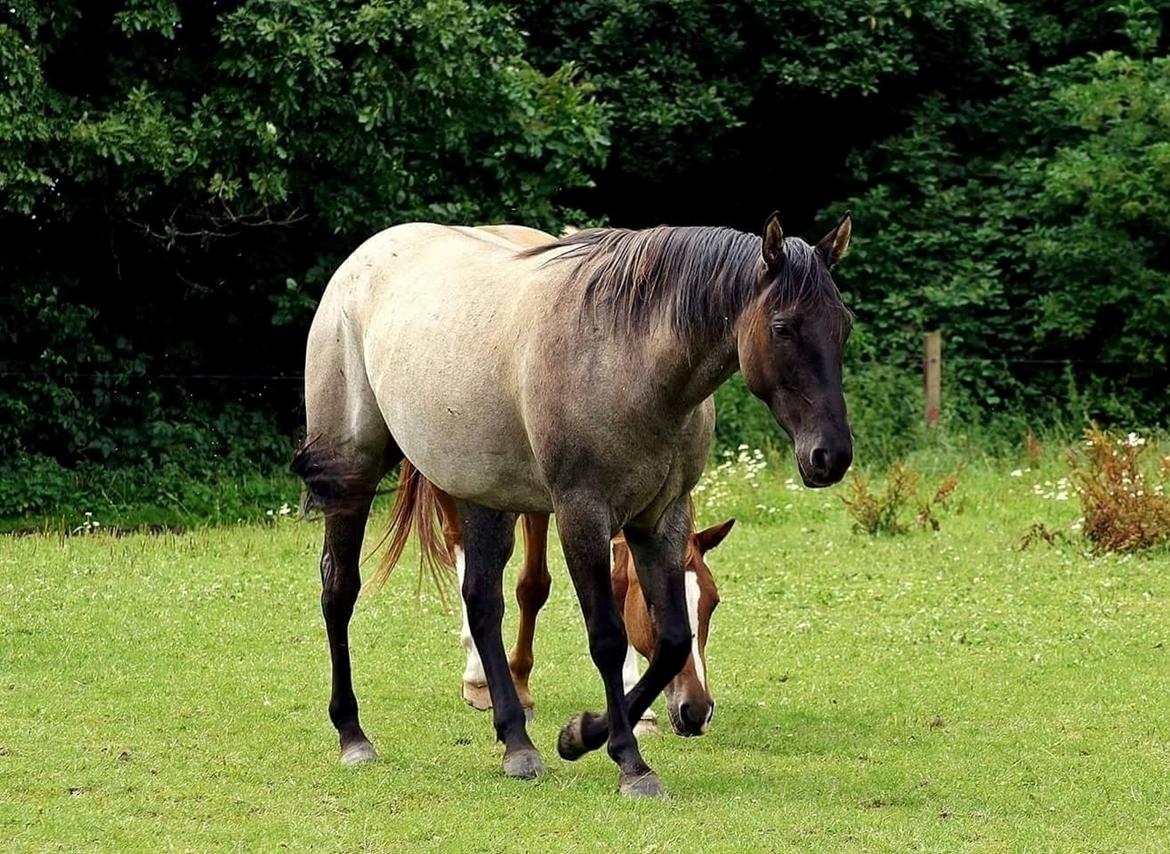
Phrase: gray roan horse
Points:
(576, 378)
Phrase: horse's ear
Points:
(835, 244)
(709, 538)
(773, 246)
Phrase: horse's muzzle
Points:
(691, 718)
(825, 463)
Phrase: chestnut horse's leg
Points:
(648, 724)
(488, 536)
(532, 589)
(639, 627)
(658, 558)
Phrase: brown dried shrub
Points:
(1124, 501)
(1038, 532)
(884, 513)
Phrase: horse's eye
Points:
(781, 328)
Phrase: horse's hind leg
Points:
(475, 685)
(340, 583)
(475, 690)
(532, 589)
(348, 451)
(488, 537)
(344, 491)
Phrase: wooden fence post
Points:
(932, 376)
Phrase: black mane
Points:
(700, 277)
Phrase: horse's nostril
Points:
(695, 715)
(820, 459)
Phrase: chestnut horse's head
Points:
(688, 695)
(791, 340)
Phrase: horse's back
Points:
(517, 235)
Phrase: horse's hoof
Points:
(523, 764)
(643, 785)
(571, 742)
(477, 696)
(646, 726)
(359, 753)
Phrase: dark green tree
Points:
(179, 179)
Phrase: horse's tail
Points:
(416, 507)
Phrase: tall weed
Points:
(888, 511)
(1123, 496)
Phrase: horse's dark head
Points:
(791, 341)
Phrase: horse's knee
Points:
(533, 588)
(607, 640)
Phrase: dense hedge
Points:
(178, 179)
(179, 184)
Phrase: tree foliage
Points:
(178, 179)
(1030, 226)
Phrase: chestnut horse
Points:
(419, 505)
(574, 377)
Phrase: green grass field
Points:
(933, 692)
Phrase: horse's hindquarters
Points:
(443, 334)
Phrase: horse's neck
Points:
(694, 369)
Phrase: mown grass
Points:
(937, 692)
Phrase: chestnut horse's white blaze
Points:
(692, 589)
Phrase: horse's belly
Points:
(487, 473)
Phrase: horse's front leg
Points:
(488, 536)
(658, 558)
(584, 527)
(532, 587)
